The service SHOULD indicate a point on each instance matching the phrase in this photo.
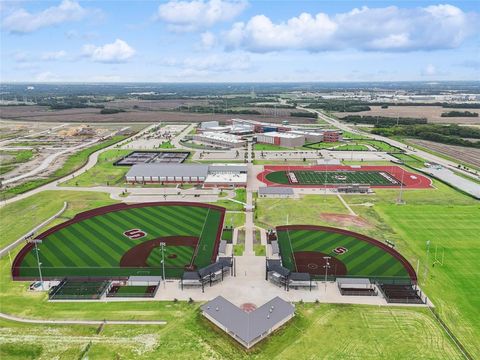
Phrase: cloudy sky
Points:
(239, 40)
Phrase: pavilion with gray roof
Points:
(248, 328)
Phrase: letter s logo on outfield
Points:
(340, 250)
(135, 234)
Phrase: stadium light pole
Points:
(36, 242)
(326, 266)
(162, 247)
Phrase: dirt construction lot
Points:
(465, 154)
(41, 113)
(432, 113)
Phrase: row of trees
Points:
(445, 134)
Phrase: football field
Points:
(124, 240)
(318, 177)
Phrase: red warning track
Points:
(410, 180)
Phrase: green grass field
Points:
(362, 259)
(316, 332)
(351, 147)
(104, 172)
(309, 177)
(270, 147)
(95, 246)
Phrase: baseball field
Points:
(123, 240)
(303, 248)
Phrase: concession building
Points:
(248, 328)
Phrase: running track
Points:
(409, 179)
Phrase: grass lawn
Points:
(351, 147)
(323, 145)
(238, 249)
(166, 145)
(453, 286)
(273, 212)
(103, 172)
(259, 249)
(240, 195)
(234, 219)
(270, 147)
(73, 162)
(317, 331)
(18, 218)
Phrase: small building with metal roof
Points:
(275, 191)
(248, 328)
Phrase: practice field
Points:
(338, 175)
(303, 248)
(123, 240)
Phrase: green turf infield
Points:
(95, 246)
(361, 259)
(311, 177)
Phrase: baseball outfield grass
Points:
(95, 246)
(360, 258)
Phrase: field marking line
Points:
(82, 322)
(291, 248)
(350, 210)
(195, 253)
(13, 245)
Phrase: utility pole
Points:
(162, 248)
(400, 200)
(36, 242)
(326, 266)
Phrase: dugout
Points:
(354, 189)
(209, 274)
(298, 280)
(276, 273)
(356, 287)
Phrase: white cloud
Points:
(53, 55)
(22, 21)
(198, 14)
(207, 65)
(429, 70)
(116, 52)
(46, 76)
(208, 40)
(380, 29)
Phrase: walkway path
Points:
(82, 322)
(350, 210)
